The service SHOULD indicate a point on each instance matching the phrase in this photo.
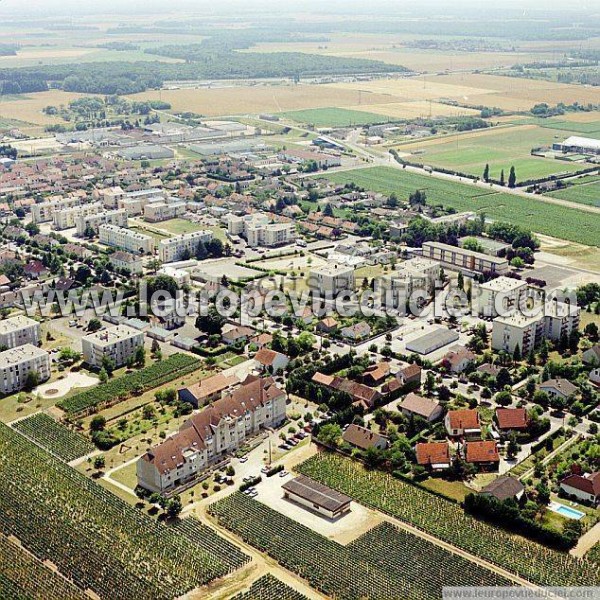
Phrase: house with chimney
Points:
(463, 423)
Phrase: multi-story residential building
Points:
(552, 321)
(17, 363)
(111, 196)
(210, 435)
(18, 331)
(126, 260)
(126, 239)
(43, 212)
(65, 218)
(465, 260)
(154, 212)
(117, 343)
(93, 222)
(500, 296)
(415, 274)
(331, 279)
(182, 246)
(259, 231)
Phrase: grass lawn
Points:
(336, 117)
(500, 147)
(126, 475)
(549, 219)
(455, 490)
(151, 232)
(179, 226)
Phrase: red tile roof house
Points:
(35, 269)
(433, 455)
(271, 361)
(409, 374)
(483, 454)
(364, 438)
(511, 419)
(360, 394)
(583, 487)
(237, 334)
(376, 374)
(418, 406)
(327, 325)
(458, 360)
(464, 422)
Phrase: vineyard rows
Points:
(417, 567)
(159, 373)
(24, 577)
(270, 588)
(448, 522)
(54, 437)
(94, 538)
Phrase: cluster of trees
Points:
(8, 151)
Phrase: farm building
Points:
(316, 497)
(580, 145)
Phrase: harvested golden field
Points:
(412, 110)
(29, 107)
(261, 98)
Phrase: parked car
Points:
(283, 473)
(265, 469)
(284, 446)
(244, 459)
(292, 442)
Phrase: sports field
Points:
(336, 117)
(585, 191)
(500, 147)
(549, 219)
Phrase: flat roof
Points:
(438, 338)
(112, 335)
(465, 252)
(317, 493)
(16, 324)
(20, 354)
(503, 284)
(332, 269)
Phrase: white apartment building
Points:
(65, 218)
(43, 212)
(527, 332)
(134, 202)
(112, 217)
(118, 343)
(126, 239)
(259, 231)
(182, 246)
(500, 296)
(17, 363)
(18, 331)
(154, 212)
(125, 260)
(466, 260)
(331, 279)
(111, 196)
(415, 274)
(210, 435)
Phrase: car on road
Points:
(265, 469)
(283, 473)
(244, 459)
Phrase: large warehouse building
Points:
(317, 497)
(580, 145)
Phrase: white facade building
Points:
(126, 239)
(117, 343)
(259, 231)
(112, 217)
(65, 218)
(18, 331)
(17, 363)
(182, 246)
(500, 296)
(331, 279)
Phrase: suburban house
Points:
(207, 390)
(558, 388)
(409, 374)
(504, 488)
(376, 374)
(463, 422)
(484, 454)
(415, 405)
(327, 325)
(271, 361)
(316, 496)
(594, 376)
(511, 419)
(583, 487)
(356, 332)
(360, 393)
(458, 359)
(364, 438)
(488, 369)
(433, 455)
(261, 340)
(35, 269)
(210, 435)
(592, 356)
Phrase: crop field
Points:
(93, 537)
(29, 108)
(584, 128)
(54, 437)
(141, 380)
(270, 588)
(419, 109)
(417, 567)
(336, 117)
(500, 147)
(23, 577)
(448, 522)
(585, 191)
(549, 219)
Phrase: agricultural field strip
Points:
(269, 587)
(24, 576)
(53, 437)
(349, 572)
(448, 522)
(584, 192)
(571, 223)
(91, 535)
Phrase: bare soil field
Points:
(412, 110)
(29, 107)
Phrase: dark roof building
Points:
(364, 438)
(504, 488)
(317, 497)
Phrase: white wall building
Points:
(126, 260)
(500, 296)
(331, 279)
(112, 217)
(117, 343)
(65, 218)
(259, 231)
(18, 331)
(466, 260)
(415, 274)
(43, 212)
(126, 239)
(17, 363)
(154, 212)
(183, 246)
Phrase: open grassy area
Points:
(179, 226)
(336, 117)
(500, 147)
(585, 191)
(549, 219)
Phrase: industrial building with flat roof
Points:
(317, 497)
(432, 341)
(465, 260)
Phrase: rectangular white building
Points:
(43, 212)
(155, 212)
(417, 273)
(500, 296)
(126, 239)
(466, 260)
(259, 231)
(18, 331)
(117, 343)
(112, 217)
(182, 247)
(331, 279)
(17, 363)
(65, 218)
